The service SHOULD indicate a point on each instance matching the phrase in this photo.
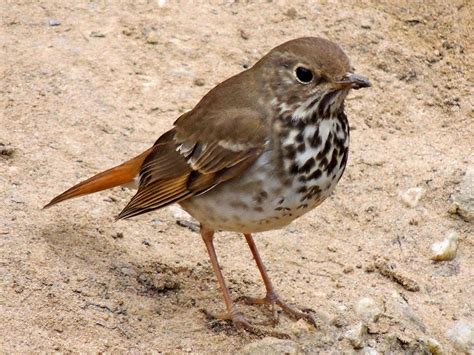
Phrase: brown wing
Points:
(206, 147)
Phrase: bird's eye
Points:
(304, 75)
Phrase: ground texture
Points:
(87, 85)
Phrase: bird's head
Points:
(309, 76)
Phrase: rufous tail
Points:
(119, 175)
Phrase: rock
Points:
(462, 335)
(348, 270)
(244, 34)
(446, 249)
(54, 22)
(366, 23)
(270, 345)
(192, 226)
(199, 82)
(463, 200)
(183, 218)
(367, 309)
(356, 335)
(152, 37)
(300, 327)
(389, 269)
(367, 350)
(291, 13)
(97, 34)
(178, 213)
(433, 346)
(400, 309)
(412, 196)
(127, 271)
(118, 235)
(6, 150)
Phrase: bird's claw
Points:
(272, 300)
(241, 323)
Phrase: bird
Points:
(259, 150)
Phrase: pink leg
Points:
(271, 297)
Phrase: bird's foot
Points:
(241, 323)
(272, 299)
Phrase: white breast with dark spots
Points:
(262, 199)
(315, 158)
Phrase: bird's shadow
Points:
(107, 270)
(109, 274)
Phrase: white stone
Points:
(356, 335)
(446, 249)
(463, 201)
(462, 335)
(368, 309)
(434, 347)
(367, 350)
(152, 37)
(178, 213)
(412, 196)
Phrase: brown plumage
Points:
(120, 175)
(259, 150)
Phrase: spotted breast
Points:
(299, 169)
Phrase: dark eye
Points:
(304, 75)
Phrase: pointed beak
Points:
(353, 81)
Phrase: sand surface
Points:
(87, 85)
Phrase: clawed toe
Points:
(272, 300)
(242, 323)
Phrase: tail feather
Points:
(119, 175)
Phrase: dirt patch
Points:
(86, 86)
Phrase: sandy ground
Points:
(86, 86)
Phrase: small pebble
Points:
(446, 249)
(463, 200)
(6, 150)
(356, 335)
(412, 196)
(127, 271)
(434, 347)
(368, 309)
(291, 13)
(366, 24)
(178, 213)
(152, 37)
(367, 350)
(300, 327)
(118, 235)
(192, 226)
(462, 335)
(199, 82)
(244, 35)
(54, 22)
(348, 270)
(97, 34)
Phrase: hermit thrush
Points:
(259, 150)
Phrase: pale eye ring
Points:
(303, 75)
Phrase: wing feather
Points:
(216, 141)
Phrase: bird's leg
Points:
(271, 298)
(232, 314)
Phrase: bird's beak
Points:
(352, 81)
